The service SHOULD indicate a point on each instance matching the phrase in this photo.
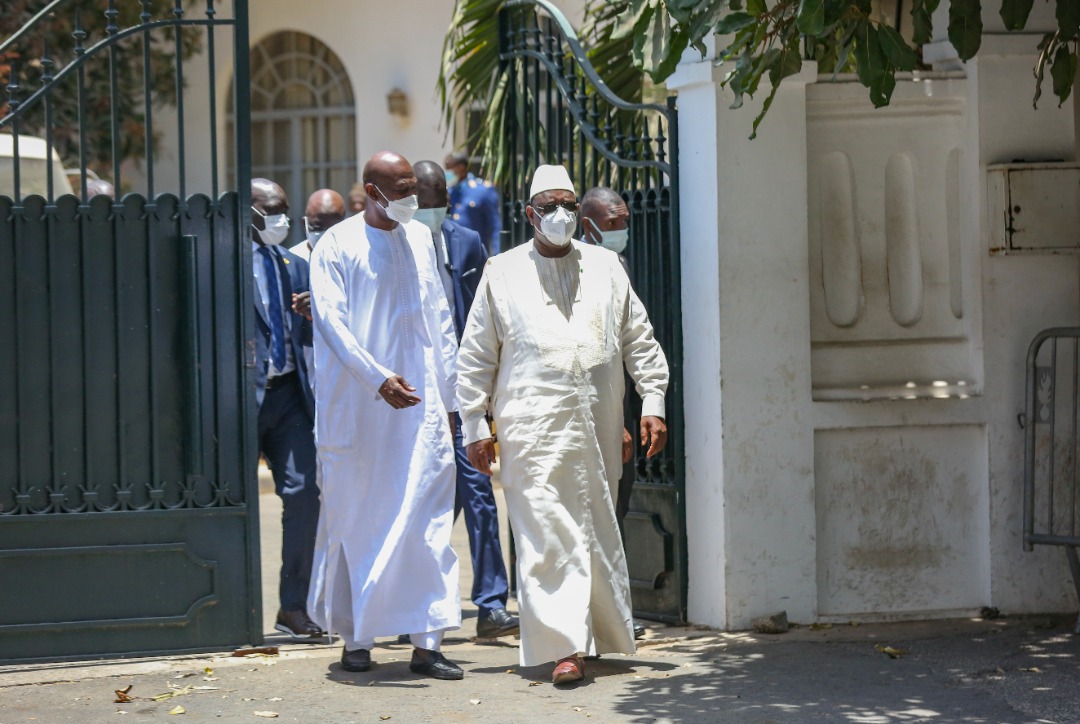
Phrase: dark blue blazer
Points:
(293, 275)
(467, 259)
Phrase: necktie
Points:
(277, 325)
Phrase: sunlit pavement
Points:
(1004, 670)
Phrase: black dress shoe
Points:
(435, 665)
(497, 623)
(299, 626)
(358, 660)
(639, 630)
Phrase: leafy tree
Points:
(765, 39)
(55, 40)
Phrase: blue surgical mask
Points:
(431, 218)
(615, 240)
(451, 178)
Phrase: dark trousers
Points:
(477, 498)
(287, 440)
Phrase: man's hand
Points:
(627, 446)
(396, 391)
(653, 433)
(301, 304)
(481, 454)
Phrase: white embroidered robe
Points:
(383, 561)
(544, 350)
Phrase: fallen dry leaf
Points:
(820, 626)
(184, 675)
(1033, 669)
(535, 683)
(891, 652)
(122, 695)
(384, 718)
(276, 698)
(178, 710)
(474, 702)
(208, 671)
(579, 708)
(173, 694)
(267, 714)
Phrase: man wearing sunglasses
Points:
(551, 328)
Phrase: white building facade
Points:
(857, 352)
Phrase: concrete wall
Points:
(862, 453)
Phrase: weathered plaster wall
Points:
(843, 499)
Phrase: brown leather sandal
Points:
(568, 670)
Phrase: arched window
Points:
(303, 119)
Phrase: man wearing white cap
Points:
(550, 329)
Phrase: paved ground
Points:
(1006, 670)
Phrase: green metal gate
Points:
(128, 519)
(558, 110)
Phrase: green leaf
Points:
(734, 22)
(1063, 72)
(1046, 48)
(679, 43)
(895, 49)
(1014, 13)
(869, 63)
(965, 27)
(810, 20)
(881, 89)
(921, 23)
(757, 8)
(1068, 17)
(788, 63)
(655, 42)
(628, 20)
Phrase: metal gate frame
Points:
(128, 487)
(558, 110)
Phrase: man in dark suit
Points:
(461, 257)
(286, 405)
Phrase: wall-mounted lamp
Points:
(398, 104)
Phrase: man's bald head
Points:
(267, 195)
(324, 208)
(600, 199)
(385, 167)
(602, 209)
(388, 176)
(325, 201)
(431, 185)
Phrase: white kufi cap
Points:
(551, 178)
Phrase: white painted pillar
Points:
(750, 517)
(696, 83)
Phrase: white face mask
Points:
(312, 236)
(401, 210)
(558, 226)
(276, 228)
(614, 240)
(431, 218)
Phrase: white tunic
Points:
(544, 348)
(383, 561)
